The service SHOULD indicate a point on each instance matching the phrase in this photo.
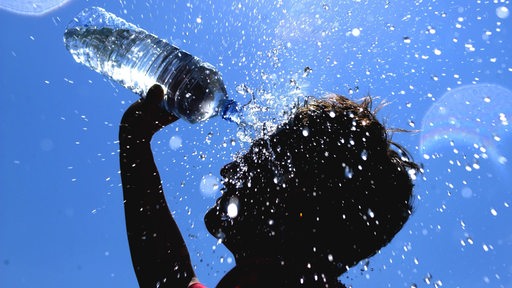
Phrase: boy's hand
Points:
(146, 116)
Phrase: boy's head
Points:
(325, 190)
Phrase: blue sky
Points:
(61, 213)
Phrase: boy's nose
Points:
(228, 170)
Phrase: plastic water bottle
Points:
(137, 60)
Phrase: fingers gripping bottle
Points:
(137, 60)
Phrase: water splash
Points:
(268, 108)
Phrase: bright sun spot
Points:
(31, 7)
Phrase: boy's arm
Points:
(159, 254)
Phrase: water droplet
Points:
(47, 144)
(503, 119)
(428, 278)
(305, 132)
(243, 89)
(348, 172)
(232, 210)
(364, 155)
(307, 71)
(466, 192)
(502, 12)
(356, 32)
(209, 185)
(175, 142)
(494, 212)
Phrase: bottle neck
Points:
(230, 111)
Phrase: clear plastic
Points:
(137, 60)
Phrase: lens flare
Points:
(31, 7)
(470, 117)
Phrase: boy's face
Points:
(250, 197)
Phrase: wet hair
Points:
(344, 187)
